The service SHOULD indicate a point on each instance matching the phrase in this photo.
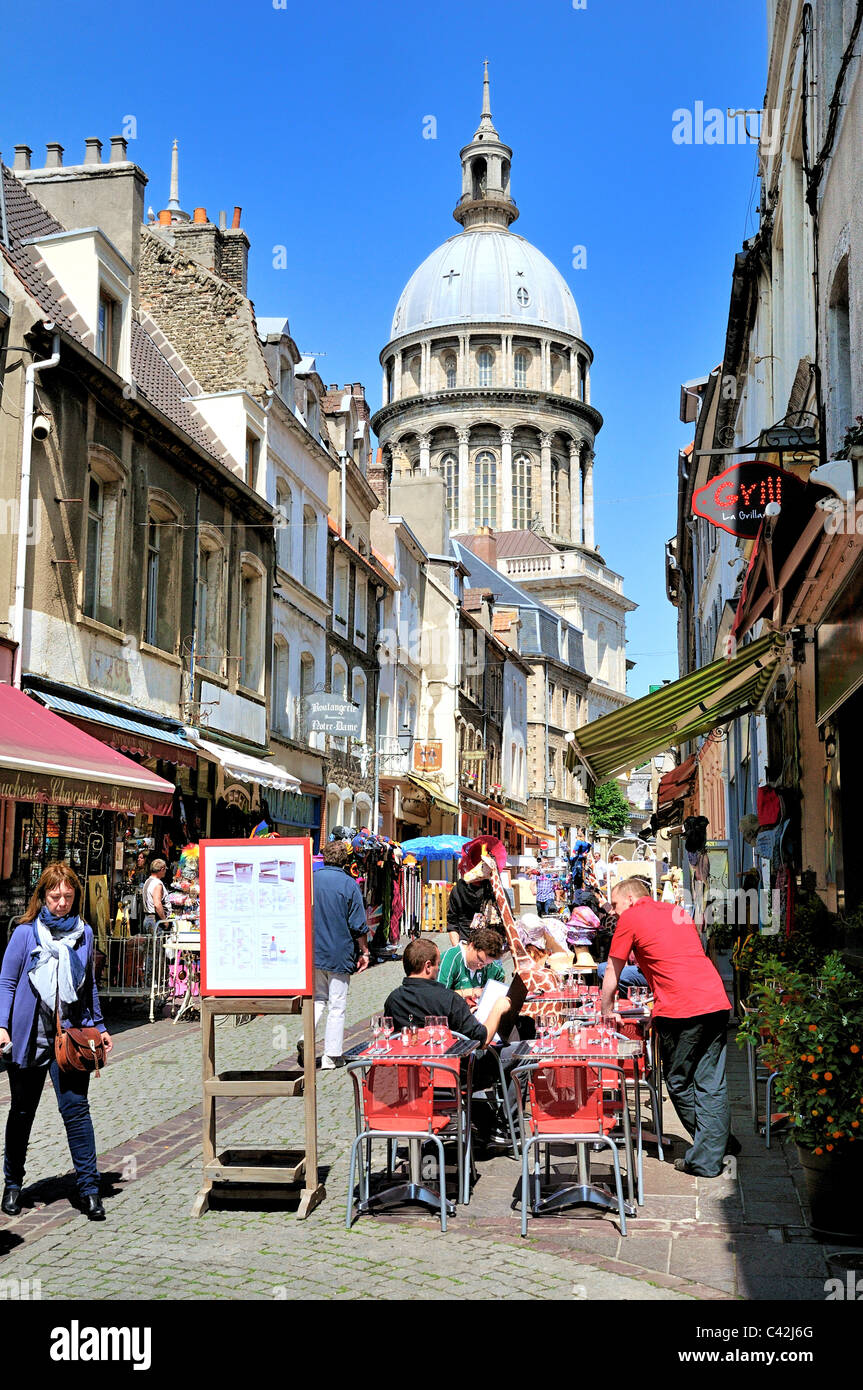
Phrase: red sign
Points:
(543, 844)
(737, 499)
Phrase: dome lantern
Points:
(486, 162)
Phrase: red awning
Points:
(44, 758)
(678, 782)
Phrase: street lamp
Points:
(406, 738)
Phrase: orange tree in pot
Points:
(813, 1029)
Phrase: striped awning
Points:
(678, 712)
(435, 793)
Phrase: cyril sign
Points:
(737, 500)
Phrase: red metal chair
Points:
(568, 1105)
(417, 1099)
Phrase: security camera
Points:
(41, 427)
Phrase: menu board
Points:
(256, 917)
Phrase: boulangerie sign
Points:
(736, 500)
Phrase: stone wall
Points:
(208, 321)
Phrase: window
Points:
(358, 695)
(522, 492)
(339, 686)
(840, 388)
(361, 616)
(450, 369)
(251, 668)
(307, 685)
(582, 379)
(555, 496)
(162, 579)
(95, 511)
(479, 178)
(253, 448)
(281, 685)
(310, 548)
(449, 468)
(414, 372)
(523, 296)
(286, 383)
(485, 365)
(520, 367)
(284, 508)
(209, 641)
(340, 593)
(108, 330)
(389, 380)
(485, 489)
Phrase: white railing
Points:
(567, 564)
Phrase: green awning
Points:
(435, 793)
(678, 712)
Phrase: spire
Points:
(176, 212)
(485, 200)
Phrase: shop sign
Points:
(332, 714)
(238, 796)
(68, 791)
(294, 808)
(737, 500)
(428, 757)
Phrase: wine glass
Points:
(388, 1028)
(377, 1028)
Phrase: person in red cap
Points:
(691, 1013)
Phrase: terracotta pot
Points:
(833, 1183)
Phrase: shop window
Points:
(251, 626)
(210, 623)
(162, 578)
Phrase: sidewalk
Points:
(740, 1236)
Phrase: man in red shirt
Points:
(691, 1011)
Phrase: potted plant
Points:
(812, 1027)
(852, 444)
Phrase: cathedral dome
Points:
(486, 275)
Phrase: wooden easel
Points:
(253, 1172)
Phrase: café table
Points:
(585, 1046)
(415, 1052)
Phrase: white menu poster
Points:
(256, 917)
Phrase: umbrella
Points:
(435, 847)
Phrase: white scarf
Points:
(57, 969)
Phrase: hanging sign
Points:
(428, 757)
(737, 499)
(332, 714)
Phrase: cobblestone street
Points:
(742, 1237)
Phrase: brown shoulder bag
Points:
(78, 1049)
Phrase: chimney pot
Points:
(23, 156)
(235, 220)
(199, 215)
(485, 546)
(53, 155)
(119, 149)
(223, 221)
(165, 217)
(93, 150)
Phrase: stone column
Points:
(506, 480)
(464, 492)
(384, 387)
(507, 360)
(463, 369)
(545, 374)
(425, 453)
(545, 479)
(397, 376)
(575, 517)
(588, 500)
(573, 373)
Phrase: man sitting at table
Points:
(467, 967)
(421, 995)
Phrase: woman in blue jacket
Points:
(49, 965)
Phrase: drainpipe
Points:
(344, 462)
(24, 500)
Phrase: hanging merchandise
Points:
(411, 888)
(769, 805)
(695, 831)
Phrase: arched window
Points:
(209, 636)
(485, 367)
(555, 496)
(522, 492)
(449, 468)
(556, 370)
(252, 616)
(310, 548)
(582, 379)
(520, 368)
(450, 369)
(414, 370)
(284, 516)
(479, 178)
(485, 489)
(280, 685)
(389, 381)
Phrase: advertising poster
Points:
(256, 917)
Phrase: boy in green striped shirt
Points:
(467, 967)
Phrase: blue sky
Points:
(311, 118)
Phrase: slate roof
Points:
(27, 218)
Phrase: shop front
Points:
(62, 794)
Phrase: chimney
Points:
(93, 150)
(53, 156)
(23, 156)
(223, 221)
(119, 149)
(165, 217)
(484, 546)
(235, 220)
(199, 215)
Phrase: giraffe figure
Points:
(538, 978)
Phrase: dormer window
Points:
(108, 330)
(97, 280)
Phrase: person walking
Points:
(690, 1012)
(48, 969)
(341, 948)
